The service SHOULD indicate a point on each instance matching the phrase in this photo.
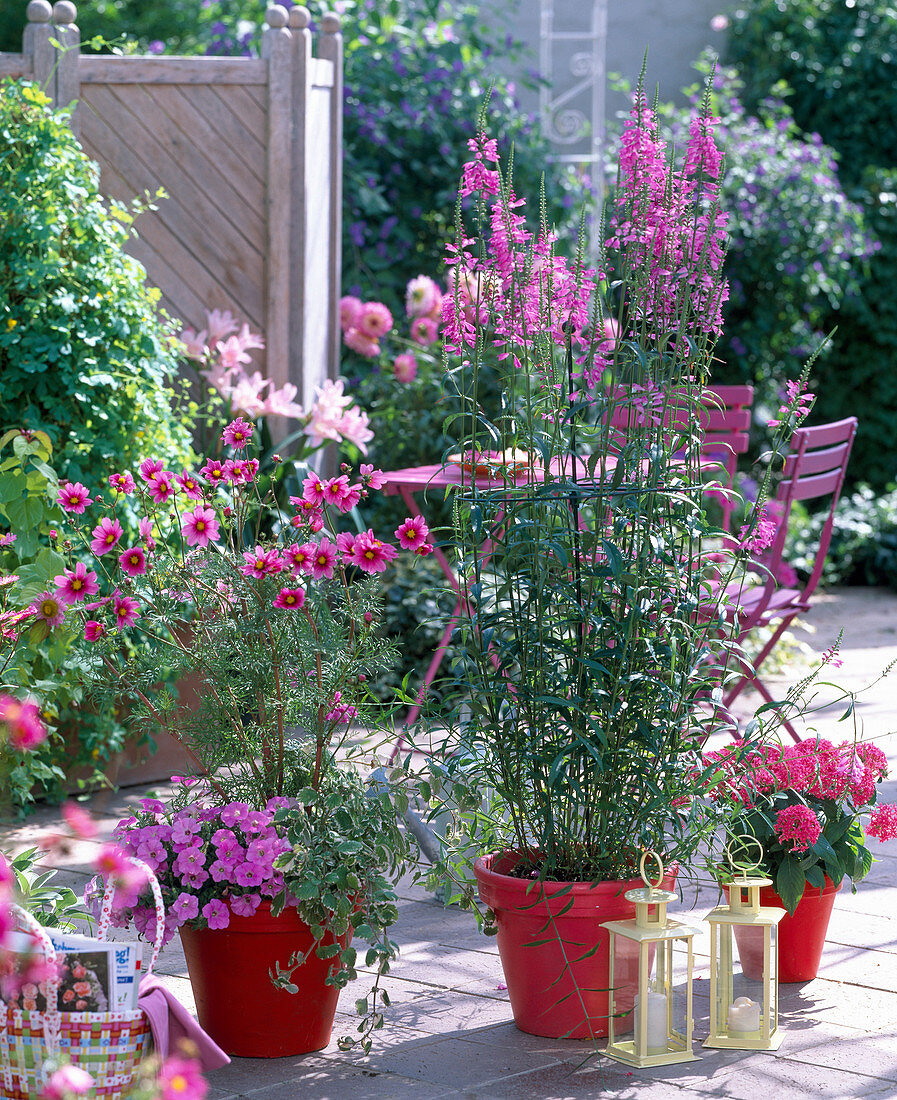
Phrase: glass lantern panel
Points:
(678, 991)
(625, 991)
(748, 1006)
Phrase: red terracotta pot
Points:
(800, 935)
(236, 1002)
(559, 988)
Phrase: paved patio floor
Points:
(450, 1031)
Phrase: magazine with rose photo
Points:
(94, 975)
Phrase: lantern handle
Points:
(660, 868)
(745, 865)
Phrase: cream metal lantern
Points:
(651, 974)
(744, 995)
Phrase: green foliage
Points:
(836, 63)
(51, 905)
(33, 659)
(84, 355)
(863, 549)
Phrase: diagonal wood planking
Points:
(205, 244)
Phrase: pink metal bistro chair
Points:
(814, 469)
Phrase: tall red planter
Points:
(557, 976)
(236, 1002)
(800, 935)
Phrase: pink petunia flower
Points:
(189, 486)
(201, 527)
(105, 536)
(76, 584)
(412, 534)
(122, 483)
(126, 611)
(290, 599)
(244, 905)
(216, 913)
(49, 607)
(186, 906)
(133, 561)
(237, 434)
(93, 630)
(73, 497)
(22, 723)
(323, 559)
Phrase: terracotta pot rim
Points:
(486, 874)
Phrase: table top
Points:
(438, 476)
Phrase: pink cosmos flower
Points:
(405, 367)
(298, 557)
(105, 536)
(345, 543)
(133, 561)
(181, 1078)
(200, 526)
(150, 469)
(799, 825)
(216, 913)
(66, 1082)
(49, 607)
(73, 497)
(412, 534)
(214, 471)
(370, 554)
(76, 584)
(372, 478)
(323, 559)
(122, 483)
(163, 487)
(312, 491)
(126, 611)
(261, 562)
(375, 320)
(93, 630)
(21, 721)
(422, 297)
(339, 492)
(145, 527)
(237, 434)
(189, 486)
(79, 820)
(363, 345)
(424, 331)
(349, 312)
(290, 599)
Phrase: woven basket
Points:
(108, 1045)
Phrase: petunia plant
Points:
(273, 639)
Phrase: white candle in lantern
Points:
(744, 1015)
(656, 1028)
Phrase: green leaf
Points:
(790, 882)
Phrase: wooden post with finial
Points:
(299, 206)
(330, 47)
(36, 46)
(277, 51)
(68, 83)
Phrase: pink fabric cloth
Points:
(170, 1022)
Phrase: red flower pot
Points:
(557, 976)
(800, 935)
(236, 1002)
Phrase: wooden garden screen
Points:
(248, 152)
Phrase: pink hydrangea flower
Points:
(122, 483)
(105, 536)
(290, 599)
(49, 607)
(73, 497)
(22, 723)
(200, 526)
(375, 320)
(237, 434)
(412, 534)
(76, 584)
(799, 825)
(126, 611)
(405, 367)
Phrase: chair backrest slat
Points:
(809, 488)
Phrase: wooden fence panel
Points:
(248, 152)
